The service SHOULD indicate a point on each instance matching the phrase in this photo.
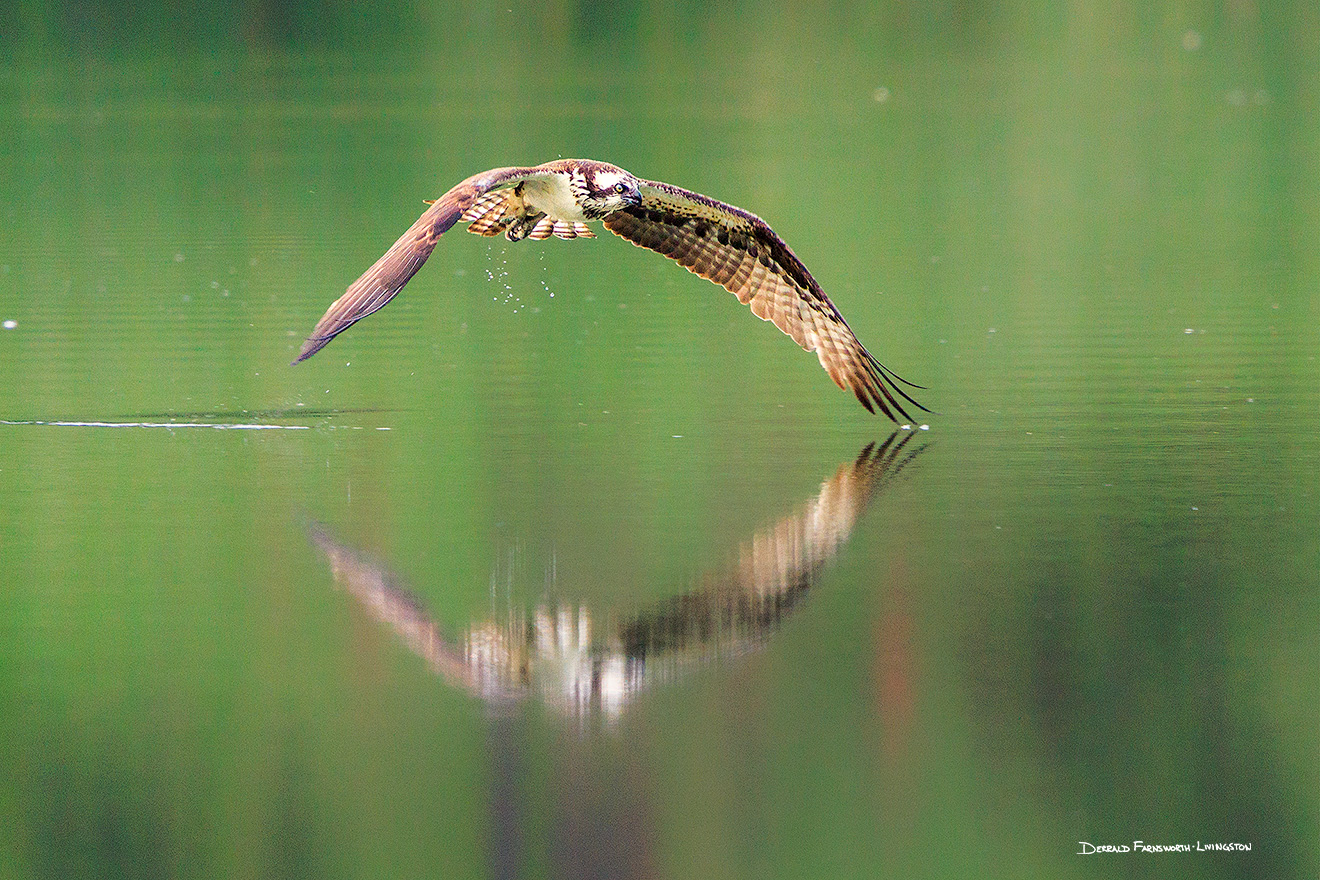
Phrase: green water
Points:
(564, 564)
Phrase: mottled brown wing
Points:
(391, 272)
(739, 251)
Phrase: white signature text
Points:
(1089, 849)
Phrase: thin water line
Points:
(216, 425)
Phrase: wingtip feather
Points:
(310, 347)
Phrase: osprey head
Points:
(605, 189)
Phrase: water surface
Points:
(564, 563)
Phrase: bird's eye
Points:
(620, 188)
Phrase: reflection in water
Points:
(579, 662)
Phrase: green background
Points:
(1087, 612)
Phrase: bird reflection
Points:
(579, 662)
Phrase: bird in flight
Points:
(717, 241)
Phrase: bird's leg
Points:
(520, 227)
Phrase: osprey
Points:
(719, 242)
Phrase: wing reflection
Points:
(578, 663)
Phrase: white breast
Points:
(552, 196)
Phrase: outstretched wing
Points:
(391, 272)
(738, 250)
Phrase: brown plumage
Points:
(717, 241)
